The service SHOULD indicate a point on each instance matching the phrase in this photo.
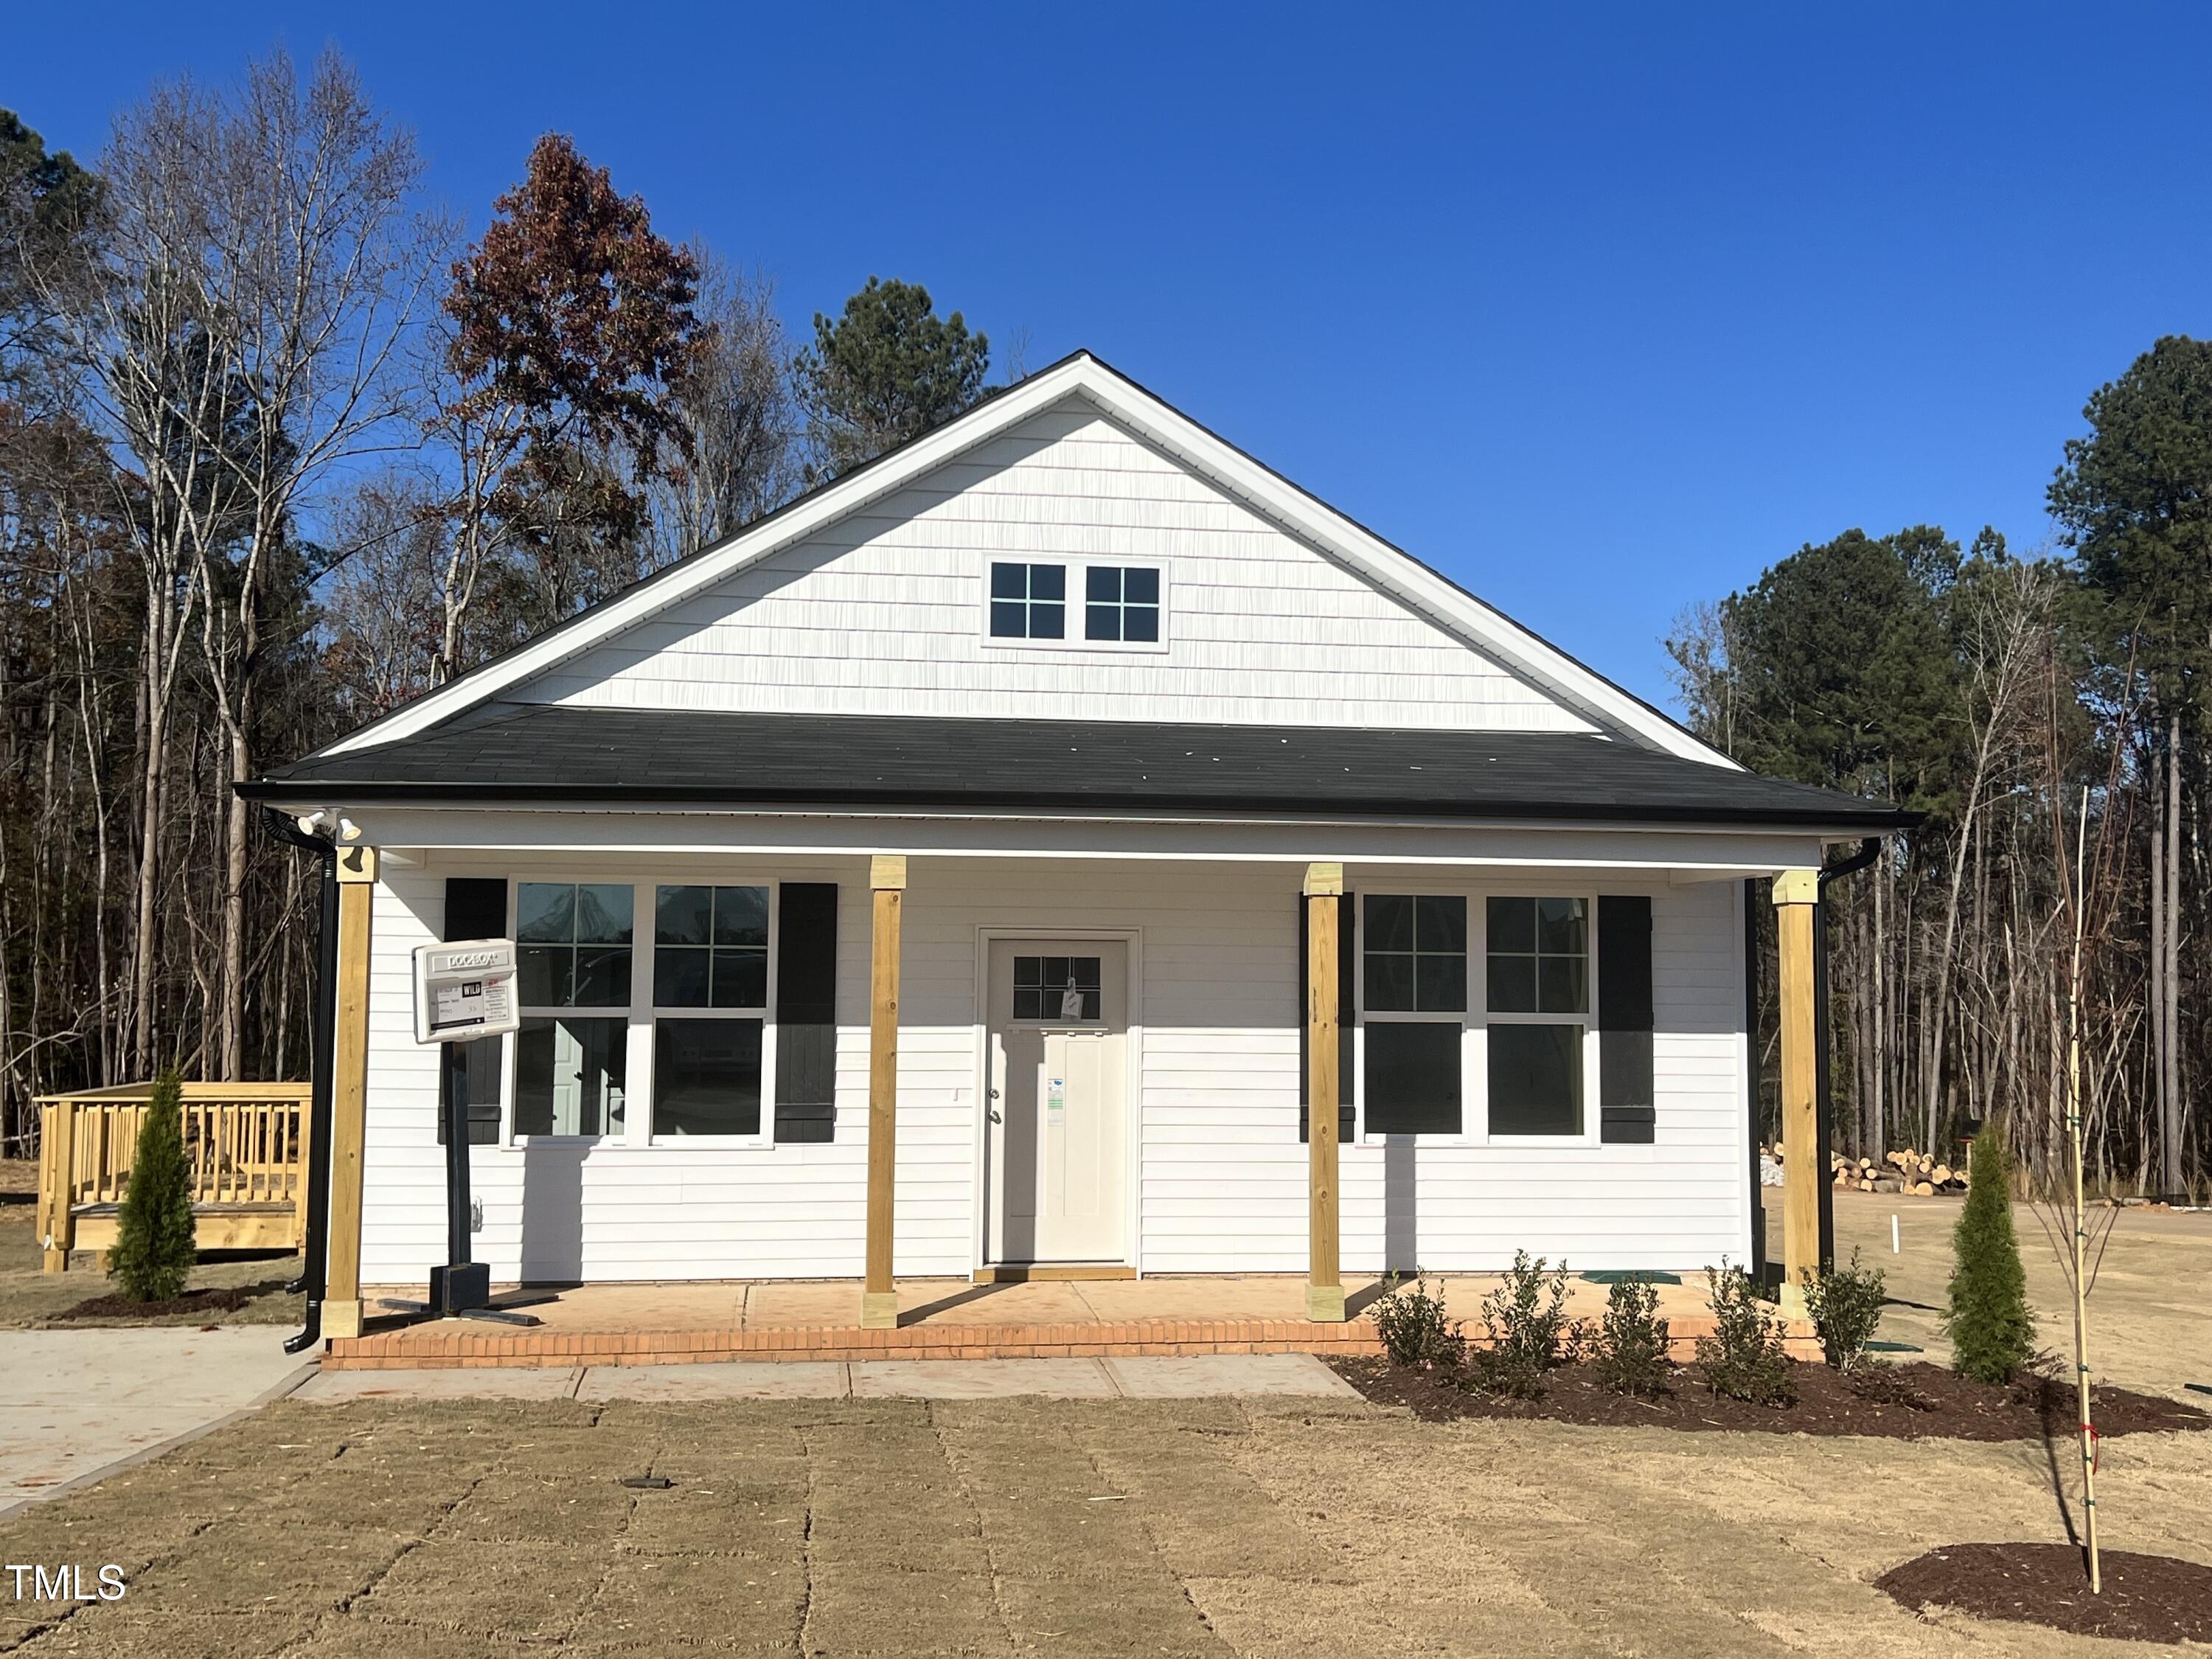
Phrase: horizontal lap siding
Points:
(635, 1212)
(1221, 1179)
(882, 613)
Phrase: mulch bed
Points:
(2147, 1598)
(114, 1306)
(1952, 1406)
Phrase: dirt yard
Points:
(1103, 1528)
(1065, 1527)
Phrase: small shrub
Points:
(1846, 1307)
(1414, 1328)
(1630, 1349)
(1880, 1383)
(1744, 1358)
(1992, 1331)
(155, 1249)
(1526, 1331)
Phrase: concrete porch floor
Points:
(666, 1322)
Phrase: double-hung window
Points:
(709, 1009)
(571, 1065)
(1538, 984)
(1414, 1005)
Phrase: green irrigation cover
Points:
(1620, 1277)
(1894, 1347)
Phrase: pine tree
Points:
(155, 1250)
(1992, 1331)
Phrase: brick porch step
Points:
(459, 1342)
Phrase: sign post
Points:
(465, 991)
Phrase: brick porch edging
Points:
(445, 1346)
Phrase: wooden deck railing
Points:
(246, 1144)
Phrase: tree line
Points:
(2046, 715)
(282, 446)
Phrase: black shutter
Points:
(1626, 1113)
(1347, 965)
(476, 908)
(806, 1012)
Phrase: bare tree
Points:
(320, 268)
(735, 409)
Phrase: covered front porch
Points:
(894, 1048)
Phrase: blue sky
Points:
(1599, 309)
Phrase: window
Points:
(1057, 988)
(710, 1005)
(1122, 603)
(1538, 978)
(1029, 601)
(571, 1068)
(1414, 1000)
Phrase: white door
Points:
(1056, 1140)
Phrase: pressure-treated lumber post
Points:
(1324, 896)
(342, 1311)
(57, 1184)
(1796, 897)
(887, 879)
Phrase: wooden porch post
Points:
(342, 1310)
(887, 879)
(57, 1184)
(1324, 896)
(1796, 893)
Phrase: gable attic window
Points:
(1029, 601)
(1122, 603)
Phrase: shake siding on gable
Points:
(883, 611)
(1221, 1175)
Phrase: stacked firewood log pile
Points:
(1918, 1175)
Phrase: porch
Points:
(793, 1320)
(246, 1145)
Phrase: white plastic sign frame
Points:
(464, 989)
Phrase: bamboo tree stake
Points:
(2088, 1435)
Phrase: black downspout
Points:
(314, 1249)
(1869, 850)
(1751, 1072)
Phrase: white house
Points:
(1012, 816)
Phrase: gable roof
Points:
(545, 754)
(1256, 486)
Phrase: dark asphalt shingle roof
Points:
(518, 754)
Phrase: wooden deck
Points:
(248, 1144)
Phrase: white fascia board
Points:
(602, 833)
(1265, 491)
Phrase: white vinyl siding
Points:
(1221, 1172)
(887, 611)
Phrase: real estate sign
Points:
(464, 989)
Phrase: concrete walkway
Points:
(1196, 1376)
(73, 1403)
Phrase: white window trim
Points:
(639, 1017)
(1078, 569)
(765, 1135)
(1479, 971)
(511, 1068)
(1475, 1021)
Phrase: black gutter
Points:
(322, 1023)
(1869, 850)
